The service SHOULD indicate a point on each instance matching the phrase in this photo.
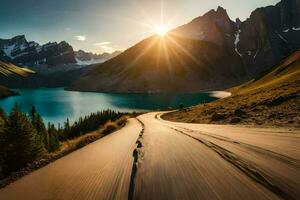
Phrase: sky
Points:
(106, 25)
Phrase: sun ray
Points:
(166, 54)
(142, 53)
(186, 52)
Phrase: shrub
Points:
(121, 121)
(109, 127)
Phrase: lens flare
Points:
(162, 30)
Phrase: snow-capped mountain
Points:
(28, 53)
(22, 52)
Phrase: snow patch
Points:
(292, 29)
(21, 54)
(296, 29)
(280, 36)
(256, 54)
(286, 30)
(8, 50)
(89, 62)
(236, 42)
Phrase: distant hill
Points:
(214, 52)
(272, 98)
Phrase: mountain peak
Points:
(18, 38)
(220, 9)
(219, 13)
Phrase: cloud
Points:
(102, 43)
(68, 29)
(80, 37)
(108, 47)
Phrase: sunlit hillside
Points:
(7, 69)
(271, 99)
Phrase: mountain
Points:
(271, 98)
(18, 50)
(268, 35)
(28, 53)
(221, 52)
(88, 58)
(55, 64)
(170, 64)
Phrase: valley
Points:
(207, 109)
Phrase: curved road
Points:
(154, 159)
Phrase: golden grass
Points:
(8, 69)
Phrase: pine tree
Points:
(33, 115)
(24, 143)
(40, 127)
(42, 131)
(53, 138)
(3, 114)
(3, 144)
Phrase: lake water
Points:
(56, 104)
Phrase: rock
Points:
(272, 116)
(217, 117)
(235, 120)
(239, 113)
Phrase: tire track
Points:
(275, 155)
(246, 167)
(137, 157)
(278, 156)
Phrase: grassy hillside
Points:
(8, 69)
(273, 98)
(165, 64)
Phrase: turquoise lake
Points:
(56, 104)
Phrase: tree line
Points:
(24, 137)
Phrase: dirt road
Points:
(155, 159)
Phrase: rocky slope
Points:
(272, 98)
(268, 35)
(244, 50)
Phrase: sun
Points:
(162, 30)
